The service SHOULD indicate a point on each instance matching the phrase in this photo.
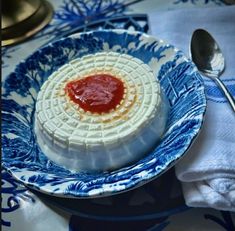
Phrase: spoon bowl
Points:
(208, 57)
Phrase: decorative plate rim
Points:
(105, 184)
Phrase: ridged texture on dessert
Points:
(66, 128)
(22, 155)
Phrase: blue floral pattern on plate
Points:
(22, 156)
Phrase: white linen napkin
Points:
(207, 172)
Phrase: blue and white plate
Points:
(21, 155)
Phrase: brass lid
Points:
(23, 18)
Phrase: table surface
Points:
(25, 210)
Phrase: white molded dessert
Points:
(81, 139)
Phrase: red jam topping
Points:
(97, 93)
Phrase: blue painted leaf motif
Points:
(169, 65)
(54, 54)
(74, 188)
(12, 190)
(88, 44)
(17, 147)
(80, 11)
(22, 112)
(71, 14)
(182, 85)
(16, 83)
(43, 179)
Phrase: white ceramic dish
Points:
(178, 77)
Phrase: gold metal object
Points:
(230, 2)
(23, 18)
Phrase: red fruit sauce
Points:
(98, 93)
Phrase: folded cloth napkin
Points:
(207, 172)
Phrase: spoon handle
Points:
(227, 94)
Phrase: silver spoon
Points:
(207, 56)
